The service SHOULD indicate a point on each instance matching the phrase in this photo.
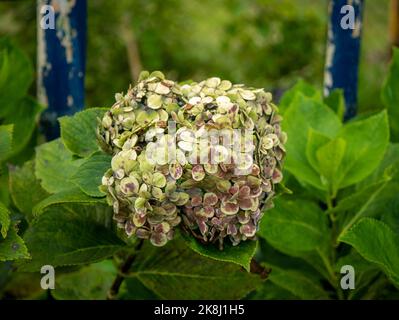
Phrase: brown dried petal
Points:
(249, 230)
(229, 208)
(175, 170)
(210, 199)
(198, 173)
(158, 239)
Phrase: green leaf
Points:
(295, 226)
(300, 86)
(25, 189)
(12, 247)
(24, 115)
(365, 273)
(309, 264)
(303, 281)
(4, 192)
(329, 158)
(4, 220)
(297, 283)
(88, 283)
(376, 196)
(5, 141)
(78, 132)
(388, 168)
(176, 272)
(391, 217)
(377, 243)
(390, 95)
(133, 289)
(304, 114)
(336, 101)
(315, 141)
(89, 174)
(366, 141)
(271, 291)
(376, 201)
(19, 285)
(241, 254)
(358, 204)
(55, 165)
(16, 75)
(71, 234)
(74, 195)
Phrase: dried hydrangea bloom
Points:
(216, 170)
(227, 198)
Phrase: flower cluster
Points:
(213, 171)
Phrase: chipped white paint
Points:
(64, 32)
(69, 101)
(357, 31)
(330, 50)
(358, 22)
(42, 66)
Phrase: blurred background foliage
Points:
(266, 43)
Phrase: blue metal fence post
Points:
(343, 50)
(61, 59)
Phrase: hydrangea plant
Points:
(204, 155)
(342, 212)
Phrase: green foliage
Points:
(302, 222)
(241, 255)
(176, 272)
(376, 196)
(367, 141)
(377, 243)
(25, 189)
(290, 276)
(390, 95)
(4, 220)
(55, 165)
(88, 283)
(329, 160)
(366, 274)
(133, 289)
(79, 234)
(301, 86)
(344, 209)
(78, 132)
(18, 117)
(271, 291)
(73, 195)
(327, 154)
(88, 175)
(298, 284)
(305, 114)
(16, 75)
(336, 102)
(12, 247)
(24, 117)
(18, 113)
(341, 175)
(5, 140)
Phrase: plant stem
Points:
(329, 264)
(329, 202)
(123, 270)
(329, 267)
(256, 268)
